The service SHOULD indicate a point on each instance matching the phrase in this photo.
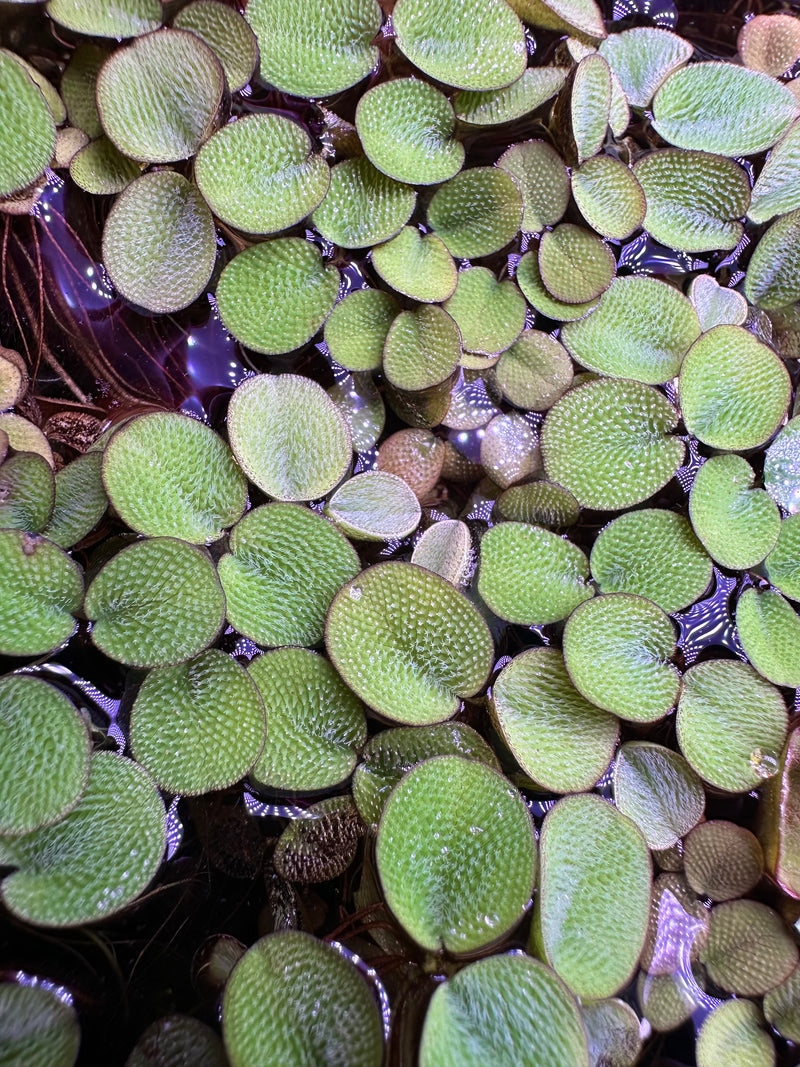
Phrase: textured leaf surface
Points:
(456, 854)
(773, 275)
(422, 348)
(590, 105)
(749, 950)
(292, 998)
(607, 442)
(417, 265)
(80, 501)
(261, 174)
(652, 553)
(782, 1007)
(314, 722)
(643, 58)
(530, 282)
(356, 329)
(490, 315)
(777, 188)
(722, 860)
(782, 467)
(362, 206)
(612, 1027)
(531, 576)
(408, 643)
(719, 107)
(659, 791)
(531, 90)
(477, 212)
(540, 503)
(198, 726)
(534, 372)
(559, 739)
(782, 565)
(446, 549)
(769, 630)
(227, 34)
(40, 782)
(543, 182)
(737, 524)
(27, 130)
(609, 196)
(770, 43)
(471, 44)
(317, 51)
(42, 589)
(574, 264)
(157, 602)
(617, 649)
(734, 1030)
(694, 199)
(392, 753)
(570, 15)
(509, 1006)
(98, 858)
(275, 594)
(375, 506)
(716, 305)
(510, 449)
(123, 18)
(406, 128)
(321, 845)
(100, 168)
(159, 243)
(37, 1027)
(78, 87)
(595, 877)
(13, 378)
(173, 1039)
(734, 390)
(27, 492)
(172, 476)
(137, 88)
(641, 329)
(731, 725)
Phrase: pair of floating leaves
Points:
(314, 722)
(490, 315)
(159, 243)
(560, 740)
(42, 591)
(510, 1002)
(722, 860)
(609, 196)
(543, 182)
(28, 136)
(574, 264)
(609, 443)
(274, 296)
(539, 297)
(595, 877)
(198, 726)
(95, 860)
(456, 854)
(292, 998)
(749, 950)
(408, 643)
(169, 475)
(643, 58)
(227, 34)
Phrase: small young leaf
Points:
(531, 90)
(590, 105)
(643, 58)
(769, 630)
(490, 315)
(770, 43)
(100, 168)
(609, 196)
(749, 950)
(722, 860)
(375, 506)
(37, 1027)
(534, 372)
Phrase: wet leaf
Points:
(477, 212)
(471, 44)
(694, 200)
(406, 127)
(659, 791)
(362, 206)
(80, 501)
(490, 314)
(137, 88)
(356, 329)
(782, 565)
(123, 18)
(734, 390)
(531, 576)
(534, 372)
(770, 43)
(652, 553)
(37, 1027)
(24, 436)
(734, 1030)
(543, 182)
(375, 506)
(777, 189)
(715, 305)
(617, 649)
(749, 950)
(738, 524)
(641, 329)
(456, 854)
(417, 265)
(422, 348)
(574, 264)
(731, 725)
(773, 275)
(530, 91)
(333, 1012)
(613, 1030)
(408, 643)
(155, 603)
(40, 782)
(274, 296)
(227, 34)
(100, 168)
(530, 282)
(27, 491)
(198, 726)
(719, 107)
(169, 475)
(510, 1002)
(643, 58)
(609, 196)
(42, 590)
(446, 549)
(595, 877)
(722, 860)
(769, 630)
(608, 443)
(261, 174)
(570, 15)
(159, 243)
(590, 105)
(540, 503)
(560, 740)
(98, 858)
(314, 723)
(318, 51)
(27, 129)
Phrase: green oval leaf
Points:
(612, 1027)
(477, 212)
(769, 630)
(37, 1027)
(422, 349)
(777, 189)
(782, 565)
(27, 129)
(734, 1031)
(539, 503)
(716, 305)
(42, 590)
(490, 315)
(100, 168)
(78, 87)
(417, 265)
(80, 501)
(782, 467)
(375, 506)
(583, 16)
(609, 196)
(362, 206)
(643, 58)
(530, 282)
(536, 86)
(124, 18)
(590, 105)
(227, 34)
(659, 791)
(27, 491)
(356, 329)
(534, 372)
(749, 950)
(722, 860)
(446, 549)
(543, 181)
(773, 277)
(574, 264)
